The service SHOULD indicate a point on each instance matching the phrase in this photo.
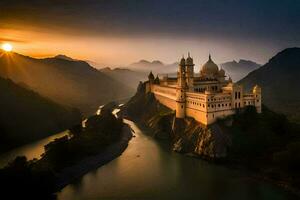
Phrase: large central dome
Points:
(209, 69)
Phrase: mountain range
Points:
(127, 76)
(37, 95)
(279, 79)
(64, 80)
(26, 116)
(238, 70)
(155, 66)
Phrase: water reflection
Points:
(31, 151)
(149, 170)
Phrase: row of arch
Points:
(237, 95)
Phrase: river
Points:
(148, 169)
(31, 150)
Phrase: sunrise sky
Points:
(119, 32)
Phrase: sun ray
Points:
(7, 47)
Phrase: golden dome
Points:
(222, 72)
(210, 68)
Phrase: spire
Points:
(209, 57)
(182, 61)
(189, 55)
(151, 76)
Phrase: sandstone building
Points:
(206, 96)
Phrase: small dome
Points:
(189, 61)
(256, 89)
(209, 68)
(222, 72)
(182, 62)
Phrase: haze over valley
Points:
(157, 99)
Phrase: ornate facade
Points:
(206, 96)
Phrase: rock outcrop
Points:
(186, 135)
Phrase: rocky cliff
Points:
(266, 144)
(186, 135)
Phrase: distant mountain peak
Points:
(250, 62)
(146, 62)
(157, 62)
(64, 57)
(238, 70)
(278, 78)
(143, 61)
(104, 69)
(288, 58)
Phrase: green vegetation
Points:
(37, 178)
(21, 179)
(101, 130)
(26, 116)
(267, 143)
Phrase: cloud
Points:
(5, 39)
(156, 18)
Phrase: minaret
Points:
(180, 90)
(257, 98)
(151, 77)
(189, 64)
(151, 82)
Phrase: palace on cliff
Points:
(206, 96)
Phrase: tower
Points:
(180, 90)
(189, 64)
(150, 83)
(151, 77)
(257, 98)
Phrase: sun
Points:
(7, 47)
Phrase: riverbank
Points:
(103, 138)
(266, 145)
(70, 174)
(254, 174)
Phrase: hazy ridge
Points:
(69, 82)
(279, 79)
(26, 116)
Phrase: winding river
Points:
(148, 169)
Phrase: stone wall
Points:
(207, 108)
(165, 95)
